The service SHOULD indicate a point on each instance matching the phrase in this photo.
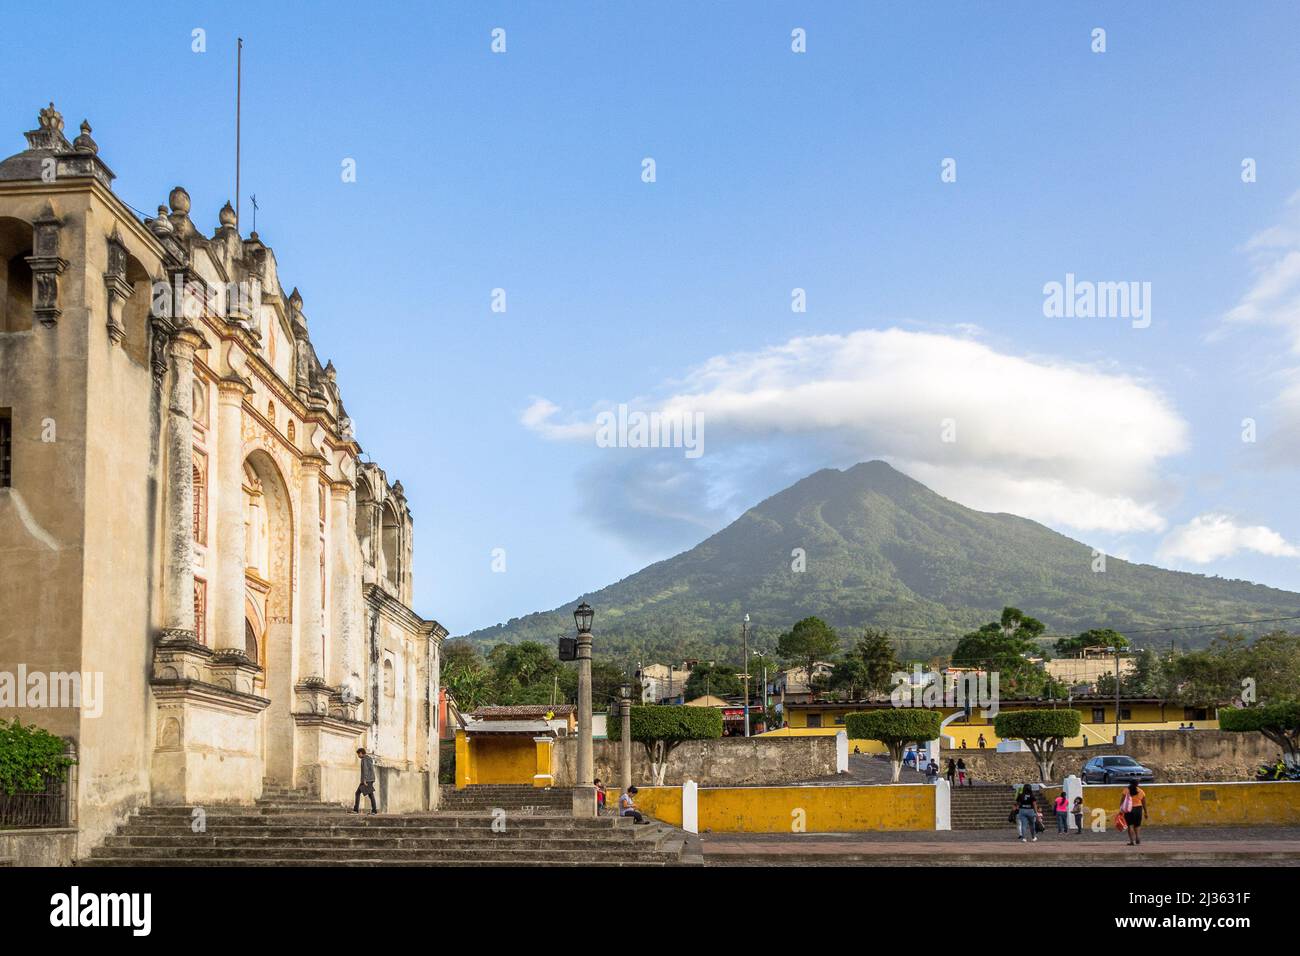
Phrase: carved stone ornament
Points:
(46, 265)
(118, 289)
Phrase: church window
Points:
(250, 642)
(389, 689)
(6, 447)
(200, 501)
(15, 276)
(201, 610)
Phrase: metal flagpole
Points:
(239, 95)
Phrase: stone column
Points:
(231, 560)
(344, 579)
(178, 522)
(311, 626)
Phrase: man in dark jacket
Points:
(367, 782)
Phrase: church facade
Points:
(186, 524)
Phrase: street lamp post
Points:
(625, 714)
(744, 636)
(1115, 651)
(584, 794)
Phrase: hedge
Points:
(28, 755)
(898, 725)
(675, 723)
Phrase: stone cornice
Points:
(388, 606)
(184, 690)
(339, 725)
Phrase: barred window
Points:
(6, 447)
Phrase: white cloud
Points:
(1060, 442)
(1209, 537)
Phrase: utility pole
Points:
(744, 637)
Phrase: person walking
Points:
(963, 780)
(627, 805)
(367, 786)
(951, 772)
(1062, 807)
(982, 742)
(1078, 815)
(1027, 814)
(1133, 806)
(931, 772)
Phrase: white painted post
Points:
(1073, 788)
(690, 807)
(841, 752)
(942, 805)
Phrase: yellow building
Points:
(1096, 715)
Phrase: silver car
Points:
(1115, 770)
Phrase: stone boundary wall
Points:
(1176, 756)
(727, 761)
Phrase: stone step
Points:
(521, 842)
(169, 861)
(343, 853)
(453, 834)
(159, 817)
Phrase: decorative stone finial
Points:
(227, 216)
(50, 118)
(295, 300)
(161, 226)
(83, 143)
(397, 489)
(179, 200)
(330, 371)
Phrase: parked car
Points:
(1115, 770)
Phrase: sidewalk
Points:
(1221, 846)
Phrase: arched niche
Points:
(15, 275)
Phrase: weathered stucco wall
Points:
(1174, 755)
(49, 847)
(1220, 804)
(727, 760)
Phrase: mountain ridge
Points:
(881, 549)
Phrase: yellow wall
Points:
(496, 758)
(773, 809)
(1205, 804)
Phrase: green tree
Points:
(1097, 637)
(809, 641)
(1043, 731)
(1002, 646)
(1279, 722)
(895, 727)
(467, 679)
(527, 673)
(720, 680)
(662, 728)
(868, 667)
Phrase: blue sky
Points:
(774, 171)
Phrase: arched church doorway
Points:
(268, 594)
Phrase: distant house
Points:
(791, 685)
(662, 683)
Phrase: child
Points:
(1078, 815)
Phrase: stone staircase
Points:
(512, 798)
(981, 807)
(288, 828)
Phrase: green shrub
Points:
(661, 728)
(1043, 731)
(28, 755)
(1279, 722)
(895, 728)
